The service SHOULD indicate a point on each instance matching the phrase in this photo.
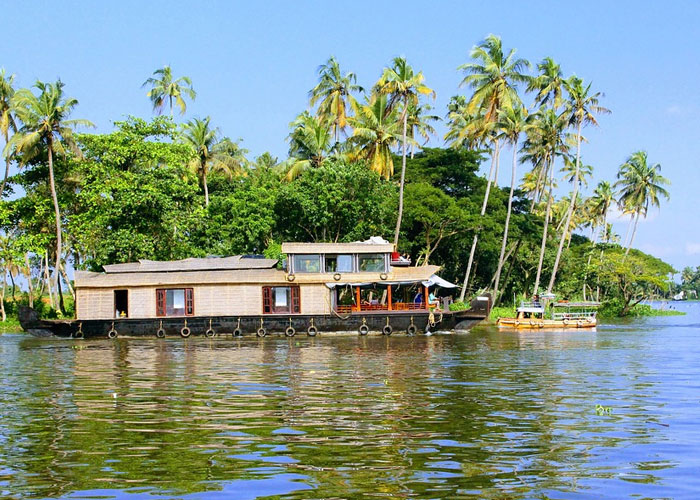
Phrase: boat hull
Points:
(540, 324)
(273, 325)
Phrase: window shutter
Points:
(160, 302)
(267, 292)
(189, 302)
(296, 302)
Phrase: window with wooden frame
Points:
(281, 300)
(175, 302)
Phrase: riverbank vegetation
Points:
(357, 166)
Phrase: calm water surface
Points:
(484, 414)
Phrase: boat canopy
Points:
(434, 280)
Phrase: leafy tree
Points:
(337, 201)
(403, 85)
(136, 197)
(212, 153)
(333, 93)
(436, 215)
(640, 185)
(632, 278)
(45, 124)
(165, 89)
(240, 222)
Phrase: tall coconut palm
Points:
(403, 86)
(310, 143)
(334, 93)
(585, 172)
(512, 122)
(493, 77)
(165, 89)
(548, 85)
(419, 124)
(581, 108)
(600, 202)
(640, 185)
(45, 125)
(7, 121)
(211, 151)
(547, 133)
(376, 130)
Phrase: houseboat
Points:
(546, 312)
(319, 288)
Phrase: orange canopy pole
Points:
(425, 297)
(388, 296)
(357, 298)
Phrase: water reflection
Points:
(488, 414)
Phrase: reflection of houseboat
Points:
(545, 312)
(326, 287)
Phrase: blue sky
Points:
(252, 65)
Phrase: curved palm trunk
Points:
(7, 171)
(403, 176)
(501, 259)
(547, 217)
(465, 285)
(206, 188)
(634, 231)
(57, 214)
(569, 213)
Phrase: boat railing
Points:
(395, 306)
(530, 304)
(574, 315)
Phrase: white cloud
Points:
(692, 248)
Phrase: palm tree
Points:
(164, 88)
(310, 143)
(45, 124)
(546, 134)
(600, 203)
(403, 86)
(585, 172)
(375, 132)
(640, 185)
(211, 151)
(334, 91)
(7, 121)
(581, 108)
(493, 76)
(512, 122)
(548, 85)
(419, 124)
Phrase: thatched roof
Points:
(341, 248)
(85, 279)
(235, 262)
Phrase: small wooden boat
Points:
(547, 313)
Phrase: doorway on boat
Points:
(121, 303)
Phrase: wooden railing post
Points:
(357, 298)
(425, 297)
(388, 296)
